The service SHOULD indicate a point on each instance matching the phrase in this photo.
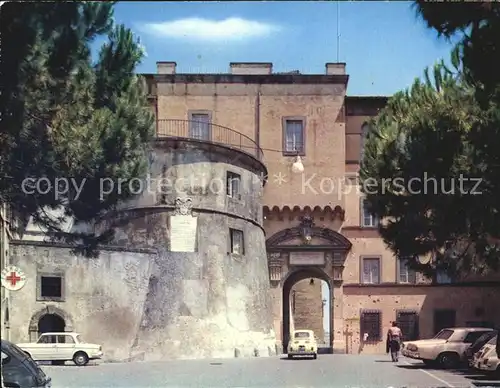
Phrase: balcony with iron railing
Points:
(208, 132)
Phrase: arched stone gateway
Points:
(50, 318)
(306, 251)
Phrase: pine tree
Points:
(446, 128)
(64, 116)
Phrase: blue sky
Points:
(384, 44)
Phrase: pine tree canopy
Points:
(65, 116)
(444, 130)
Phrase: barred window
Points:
(371, 323)
(408, 323)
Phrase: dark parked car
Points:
(19, 370)
(477, 345)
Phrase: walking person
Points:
(394, 338)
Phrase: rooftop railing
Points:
(207, 131)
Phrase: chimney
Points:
(335, 68)
(166, 67)
(241, 68)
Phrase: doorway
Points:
(50, 323)
(306, 306)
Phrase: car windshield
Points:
(481, 341)
(444, 334)
(493, 341)
(80, 339)
(13, 349)
(302, 334)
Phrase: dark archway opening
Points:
(50, 323)
(314, 277)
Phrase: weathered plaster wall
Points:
(104, 297)
(422, 299)
(247, 106)
(209, 303)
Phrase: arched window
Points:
(364, 134)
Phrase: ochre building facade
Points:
(315, 223)
(268, 164)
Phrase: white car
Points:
(447, 348)
(303, 343)
(487, 358)
(62, 347)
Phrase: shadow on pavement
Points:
(383, 361)
(486, 383)
(65, 364)
(296, 358)
(432, 367)
(477, 378)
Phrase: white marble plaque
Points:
(307, 258)
(183, 231)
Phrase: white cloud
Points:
(211, 30)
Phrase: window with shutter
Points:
(371, 324)
(405, 273)
(368, 220)
(408, 323)
(237, 242)
(233, 182)
(294, 136)
(199, 126)
(371, 270)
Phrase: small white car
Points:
(303, 343)
(487, 359)
(62, 347)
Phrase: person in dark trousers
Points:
(394, 338)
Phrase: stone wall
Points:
(207, 303)
(466, 301)
(103, 298)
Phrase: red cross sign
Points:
(13, 278)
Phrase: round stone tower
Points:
(208, 290)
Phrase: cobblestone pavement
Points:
(327, 371)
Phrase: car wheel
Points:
(429, 362)
(315, 357)
(448, 360)
(80, 358)
(290, 356)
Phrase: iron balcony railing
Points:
(207, 131)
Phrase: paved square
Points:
(361, 371)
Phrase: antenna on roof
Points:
(338, 31)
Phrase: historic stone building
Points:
(267, 166)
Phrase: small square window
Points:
(50, 287)
(237, 242)
(233, 185)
